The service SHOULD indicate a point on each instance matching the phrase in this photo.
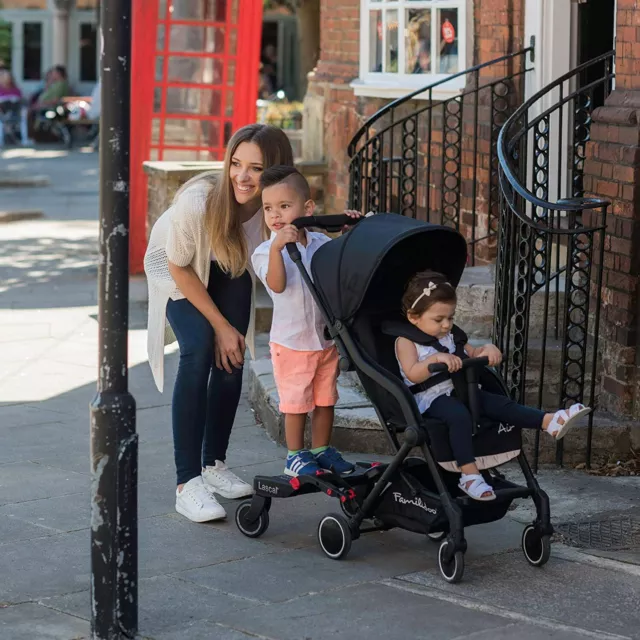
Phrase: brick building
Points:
(373, 52)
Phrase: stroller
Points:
(358, 282)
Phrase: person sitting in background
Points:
(11, 110)
(57, 87)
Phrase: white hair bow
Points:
(425, 292)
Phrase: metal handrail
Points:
(505, 146)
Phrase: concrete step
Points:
(476, 304)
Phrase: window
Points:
(32, 50)
(88, 53)
(403, 42)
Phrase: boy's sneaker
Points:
(221, 480)
(197, 503)
(332, 459)
(301, 464)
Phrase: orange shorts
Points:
(305, 379)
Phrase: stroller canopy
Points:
(377, 258)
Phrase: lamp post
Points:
(114, 442)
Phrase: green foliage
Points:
(5, 41)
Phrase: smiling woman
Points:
(197, 271)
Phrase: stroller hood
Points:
(378, 256)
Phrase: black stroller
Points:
(358, 282)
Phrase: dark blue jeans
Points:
(205, 398)
(457, 417)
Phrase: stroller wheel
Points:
(453, 569)
(536, 547)
(251, 529)
(436, 536)
(334, 536)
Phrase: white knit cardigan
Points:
(179, 235)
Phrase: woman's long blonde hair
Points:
(223, 217)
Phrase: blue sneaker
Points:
(331, 459)
(301, 464)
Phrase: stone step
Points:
(476, 304)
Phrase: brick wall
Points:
(628, 45)
(612, 171)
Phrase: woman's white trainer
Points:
(197, 503)
(224, 482)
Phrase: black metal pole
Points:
(114, 443)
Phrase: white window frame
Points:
(17, 17)
(395, 85)
(76, 18)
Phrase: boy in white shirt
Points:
(305, 364)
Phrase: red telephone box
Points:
(194, 81)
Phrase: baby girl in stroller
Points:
(429, 303)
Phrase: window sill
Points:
(387, 89)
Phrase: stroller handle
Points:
(331, 223)
(441, 367)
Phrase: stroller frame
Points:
(337, 531)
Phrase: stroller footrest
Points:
(510, 493)
(284, 486)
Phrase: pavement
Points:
(207, 581)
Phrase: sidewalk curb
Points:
(24, 182)
(20, 215)
(574, 555)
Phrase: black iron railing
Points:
(436, 159)
(551, 247)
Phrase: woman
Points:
(11, 109)
(196, 266)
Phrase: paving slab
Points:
(23, 481)
(171, 544)
(373, 611)
(206, 630)
(13, 529)
(31, 621)
(166, 604)
(610, 604)
(43, 567)
(52, 515)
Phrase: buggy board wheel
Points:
(535, 546)
(334, 536)
(436, 536)
(349, 508)
(452, 570)
(251, 529)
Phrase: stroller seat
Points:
(494, 443)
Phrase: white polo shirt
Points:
(297, 322)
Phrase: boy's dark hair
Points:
(432, 281)
(290, 175)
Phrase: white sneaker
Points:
(197, 503)
(223, 481)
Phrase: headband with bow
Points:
(425, 292)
